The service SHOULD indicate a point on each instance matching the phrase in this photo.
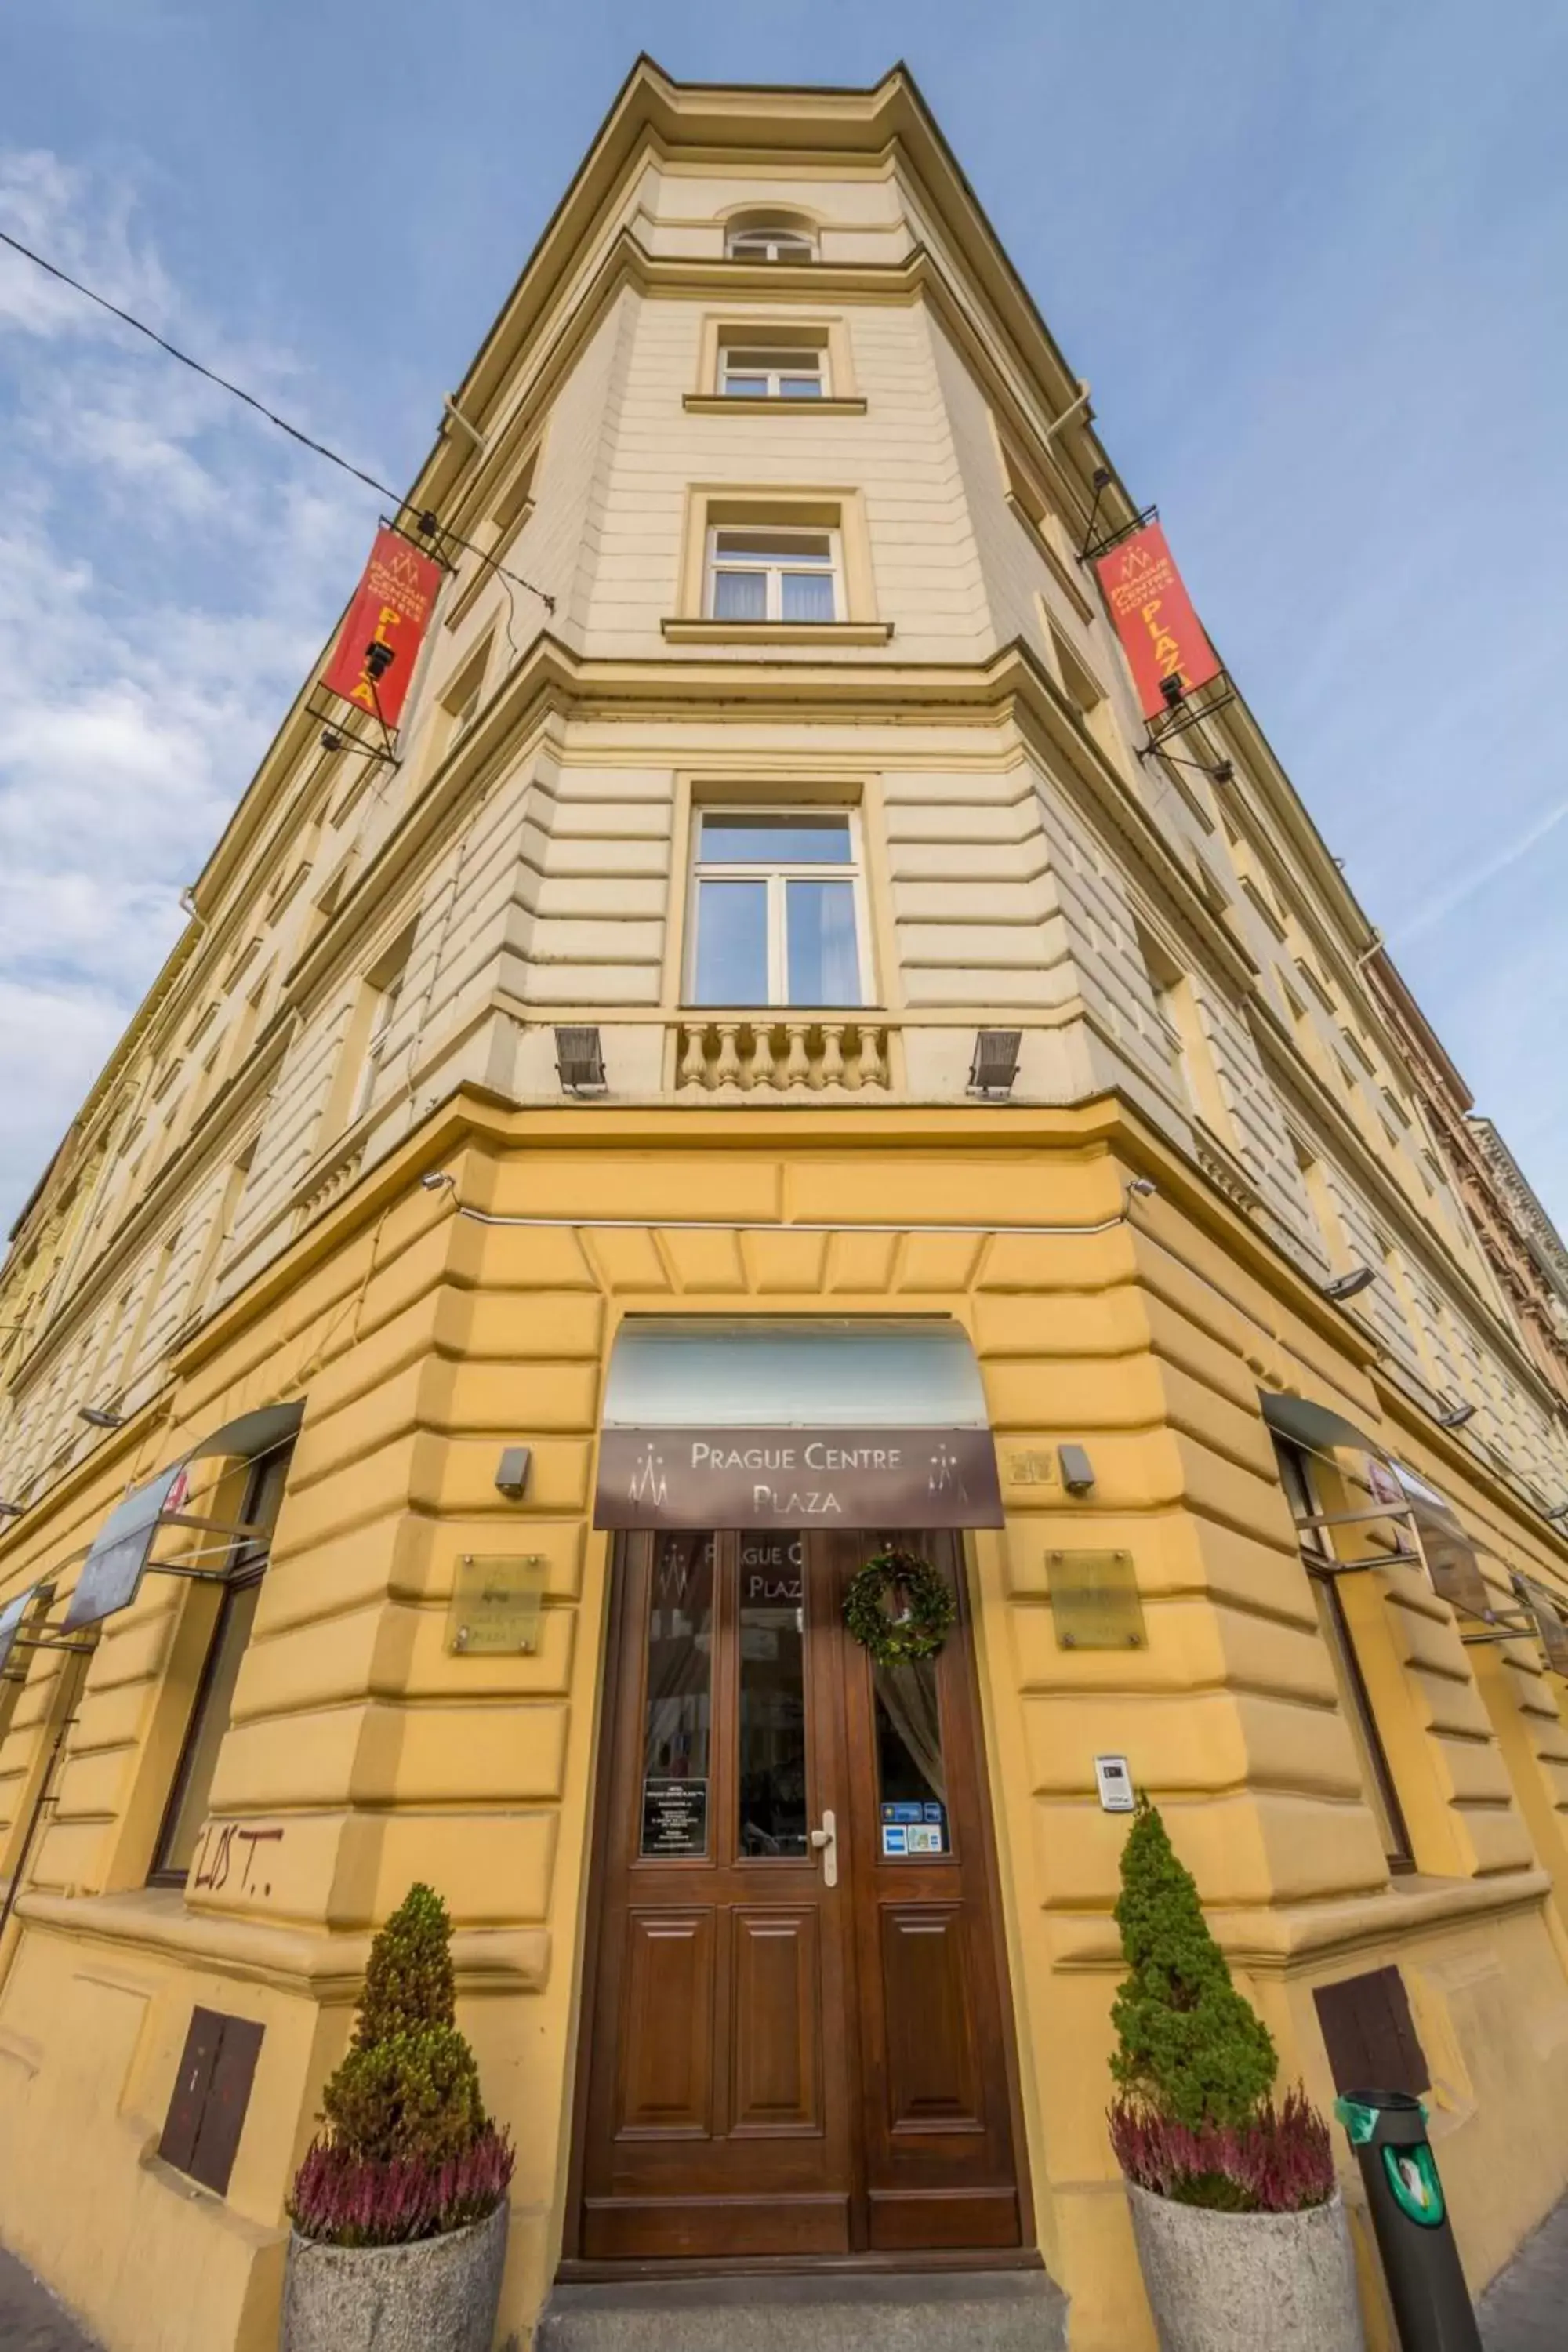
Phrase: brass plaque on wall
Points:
(496, 1603)
(1094, 1601)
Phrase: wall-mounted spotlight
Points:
(1455, 1416)
(580, 1062)
(512, 1472)
(100, 1416)
(436, 1179)
(1174, 690)
(1223, 772)
(15, 1510)
(1558, 1511)
(1350, 1284)
(379, 657)
(1141, 1187)
(995, 1063)
(1077, 1469)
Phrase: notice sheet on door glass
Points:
(674, 1816)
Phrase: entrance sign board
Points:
(1545, 1610)
(11, 1617)
(1452, 1567)
(786, 1478)
(112, 1570)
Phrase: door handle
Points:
(826, 1840)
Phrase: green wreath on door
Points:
(898, 1607)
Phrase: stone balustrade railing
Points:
(756, 1054)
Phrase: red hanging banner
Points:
(392, 607)
(1161, 635)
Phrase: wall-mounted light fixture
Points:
(15, 1510)
(1455, 1416)
(100, 1416)
(1174, 690)
(995, 1063)
(580, 1061)
(1350, 1284)
(1141, 1187)
(512, 1472)
(1077, 1469)
(436, 1180)
(1557, 1511)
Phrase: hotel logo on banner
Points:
(392, 607)
(1160, 634)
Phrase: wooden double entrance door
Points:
(797, 2040)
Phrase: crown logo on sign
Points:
(648, 1484)
(945, 1478)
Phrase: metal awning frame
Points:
(1334, 1429)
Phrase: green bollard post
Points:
(1432, 2306)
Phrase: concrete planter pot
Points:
(1247, 2281)
(438, 2295)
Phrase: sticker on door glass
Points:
(909, 1829)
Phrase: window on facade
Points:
(385, 986)
(758, 574)
(775, 908)
(769, 241)
(220, 1232)
(755, 372)
(1186, 1034)
(152, 1297)
(462, 697)
(1085, 692)
(191, 1792)
(1317, 1557)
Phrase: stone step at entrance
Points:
(812, 2311)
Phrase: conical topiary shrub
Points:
(1194, 2063)
(409, 2152)
(1191, 2047)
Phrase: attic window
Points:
(769, 241)
(463, 698)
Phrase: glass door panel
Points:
(772, 1780)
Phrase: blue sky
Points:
(1314, 260)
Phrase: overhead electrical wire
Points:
(294, 432)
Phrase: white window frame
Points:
(758, 242)
(772, 569)
(803, 359)
(776, 877)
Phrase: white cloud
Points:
(1437, 910)
(167, 571)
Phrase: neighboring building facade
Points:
(1522, 1247)
(824, 762)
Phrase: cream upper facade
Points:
(771, 422)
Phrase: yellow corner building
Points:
(779, 1065)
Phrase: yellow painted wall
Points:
(422, 1340)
